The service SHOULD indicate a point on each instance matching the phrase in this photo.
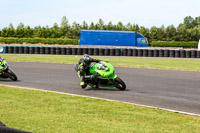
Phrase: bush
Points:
(12, 40)
(189, 44)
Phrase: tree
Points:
(197, 21)
(182, 33)
(170, 33)
(55, 31)
(119, 26)
(92, 26)
(153, 33)
(100, 25)
(75, 30)
(65, 27)
(144, 31)
(28, 32)
(20, 30)
(129, 26)
(189, 22)
(110, 26)
(84, 25)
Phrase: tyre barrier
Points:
(188, 54)
(117, 52)
(161, 53)
(74, 51)
(150, 53)
(53, 50)
(177, 54)
(47, 50)
(63, 51)
(58, 50)
(145, 53)
(85, 50)
(182, 53)
(134, 52)
(129, 52)
(140, 52)
(21, 50)
(101, 51)
(31, 50)
(166, 53)
(112, 52)
(26, 50)
(69, 51)
(198, 54)
(96, 51)
(16, 50)
(107, 52)
(124, 52)
(91, 51)
(155, 53)
(193, 53)
(42, 50)
(10, 50)
(37, 50)
(171, 53)
(80, 51)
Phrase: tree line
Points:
(189, 30)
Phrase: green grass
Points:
(47, 112)
(156, 63)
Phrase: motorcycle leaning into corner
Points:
(5, 72)
(106, 76)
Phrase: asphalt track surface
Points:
(176, 90)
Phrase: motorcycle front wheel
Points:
(119, 84)
(11, 75)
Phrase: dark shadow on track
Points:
(8, 80)
(103, 89)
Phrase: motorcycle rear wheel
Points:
(119, 84)
(11, 75)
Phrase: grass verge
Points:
(155, 63)
(40, 112)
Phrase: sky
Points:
(147, 13)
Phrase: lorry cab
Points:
(142, 42)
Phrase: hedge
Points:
(12, 40)
(189, 44)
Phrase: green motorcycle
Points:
(5, 72)
(106, 78)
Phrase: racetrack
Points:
(176, 90)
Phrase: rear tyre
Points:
(11, 75)
(119, 84)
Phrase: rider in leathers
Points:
(83, 69)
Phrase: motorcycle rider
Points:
(83, 69)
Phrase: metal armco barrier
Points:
(170, 53)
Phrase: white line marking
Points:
(171, 110)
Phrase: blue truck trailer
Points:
(112, 38)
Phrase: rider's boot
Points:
(82, 83)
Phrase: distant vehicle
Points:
(112, 38)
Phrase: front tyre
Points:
(11, 75)
(119, 84)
